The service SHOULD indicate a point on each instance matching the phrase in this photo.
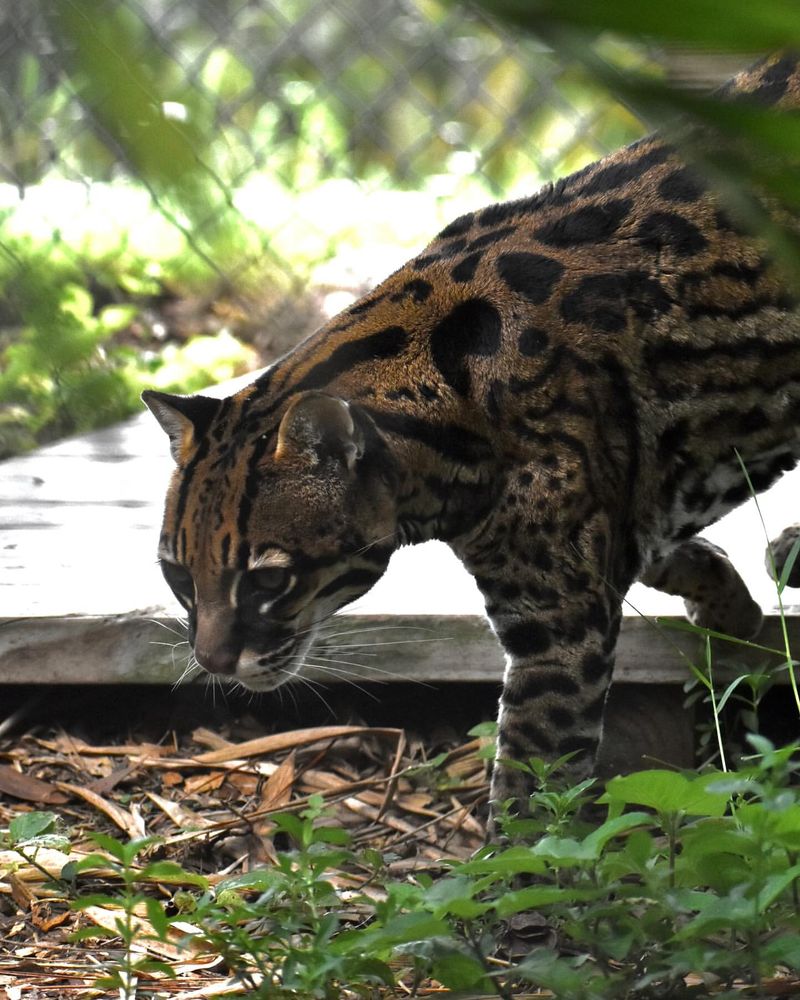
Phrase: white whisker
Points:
(360, 630)
(154, 621)
(313, 687)
(190, 667)
(350, 650)
(369, 669)
(377, 541)
(345, 676)
(333, 659)
(390, 642)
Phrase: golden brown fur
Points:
(555, 387)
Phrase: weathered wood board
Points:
(382, 649)
(80, 587)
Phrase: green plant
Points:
(682, 873)
(65, 369)
(280, 928)
(58, 368)
(736, 707)
(30, 832)
(142, 916)
(696, 882)
(746, 151)
(744, 688)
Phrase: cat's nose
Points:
(221, 660)
(215, 645)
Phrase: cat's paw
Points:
(779, 550)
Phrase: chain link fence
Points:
(248, 165)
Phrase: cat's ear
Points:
(184, 418)
(316, 427)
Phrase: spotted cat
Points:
(555, 387)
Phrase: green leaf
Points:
(445, 890)
(54, 841)
(640, 847)
(680, 625)
(458, 971)
(331, 835)
(450, 961)
(512, 861)
(374, 969)
(785, 827)
(715, 24)
(720, 914)
(788, 565)
(157, 917)
(173, 873)
(225, 76)
(30, 825)
(559, 849)
(114, 318)
(537, 896)
(784, 950)
(77, 301)
(667, 792)
(761, 745)
(567, 849)
(487, 730)
(92, 861)
(372, 858)
(722, 701)
(560, 975)
(96, 899)
(290, 824)
(399, 931)
(119, 851)
(774, 886)
(69, 872)
(720, 872)
(151, 965)
(719, 836)
(321, 858)
(117, 75)
(732, 783)
(597, 840)
(259, 880)
(87, 933)
(429, 765)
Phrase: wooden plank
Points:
(421, 649)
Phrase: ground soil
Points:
(134, 761)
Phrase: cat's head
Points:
(269, 530)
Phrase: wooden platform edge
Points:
(149, 649)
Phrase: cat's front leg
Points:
(557, 618)
(558, 671)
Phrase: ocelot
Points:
(557, 387)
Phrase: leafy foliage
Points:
(772, 24)
(63, 371)
(746, 151)
(685, 873)
(372, 89)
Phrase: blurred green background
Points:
(189, 187)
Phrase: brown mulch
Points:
(208, 794)
(207, 783)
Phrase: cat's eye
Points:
(180, 581)
(261, 587)
(269, 581)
